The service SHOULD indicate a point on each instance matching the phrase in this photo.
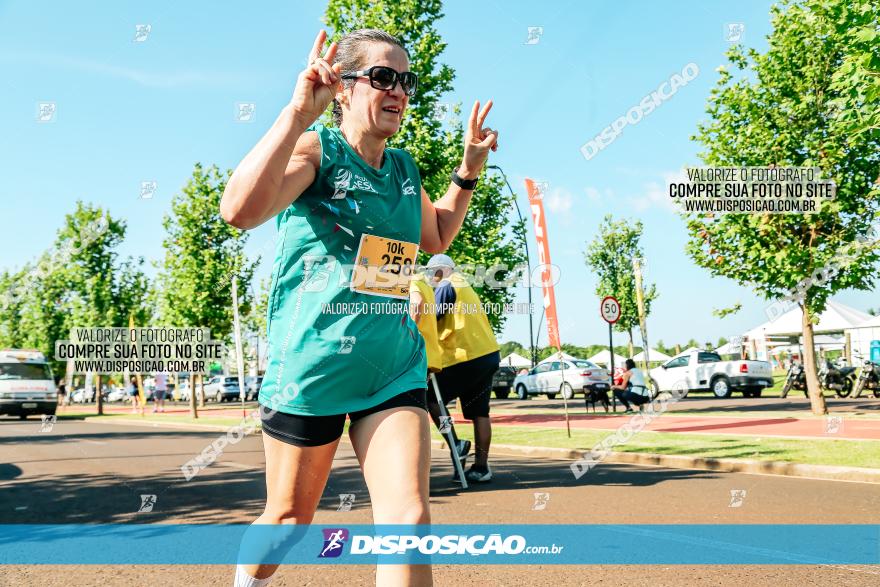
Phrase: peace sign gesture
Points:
(318, 83)
(477, 142)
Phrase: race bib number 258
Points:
(384, 267)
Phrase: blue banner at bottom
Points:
(517, 544)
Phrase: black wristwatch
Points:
(465, 184)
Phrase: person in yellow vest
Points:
(469, 357)
(422, 310)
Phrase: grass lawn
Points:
(850, 453)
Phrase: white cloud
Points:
(595, 195)
(656, 195)
(559, 201)
(140, 77)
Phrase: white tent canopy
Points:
(603, 357)
(555, 357)
(872, 323)
(822, 342)
(515, 360)
(688, 351)
(653, 355)
(836, 318)
(863, 336)
(730, 348)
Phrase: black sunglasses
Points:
(385, 78)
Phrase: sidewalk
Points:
(850, 429)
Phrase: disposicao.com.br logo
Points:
(431, 544)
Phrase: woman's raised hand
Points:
(318, 83)
(478, 140)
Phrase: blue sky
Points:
(128, 112)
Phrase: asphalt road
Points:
(95, 473)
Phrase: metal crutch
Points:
(452, 446)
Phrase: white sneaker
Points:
(477, 476)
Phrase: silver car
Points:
(565, 377)
(222, 388)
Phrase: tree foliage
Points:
(78, 282)
(610, 256)
(797, 104)
(202, 253)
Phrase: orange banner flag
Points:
(536, 204)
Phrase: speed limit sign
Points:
(610, 309)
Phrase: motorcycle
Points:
(840, 380)
(796, 379)
(869, 378)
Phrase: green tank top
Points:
(333, 350)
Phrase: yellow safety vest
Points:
(428, 323)
(465, 333)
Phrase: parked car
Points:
(86, 394)
(117, 394)
(252, 387)
(221, 388)
(182, 391)
(502, 381)
(704, 370)
(562, 377)
(83, 395)
(26, 384)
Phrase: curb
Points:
(748, 466)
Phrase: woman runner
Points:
(340, 197)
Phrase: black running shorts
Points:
(470, 381)
(320, 430)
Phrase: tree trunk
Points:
(193, 411)
(630, 345)
(98, 399)
(201, 391)
(817, 400)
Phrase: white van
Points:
(26, 384)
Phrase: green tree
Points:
(202, 253)
(33, 315)
(666, 350)
(78, 282)
(488, 236)
(857, 80)
(11, 303)
(513, 347)
(783, 109)
(610, 256)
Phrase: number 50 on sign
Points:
(610, 309)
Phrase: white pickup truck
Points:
(702, 370)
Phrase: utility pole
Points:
(640, 300)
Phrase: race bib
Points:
(384, 267)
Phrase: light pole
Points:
(525, 243)
(254, 302)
